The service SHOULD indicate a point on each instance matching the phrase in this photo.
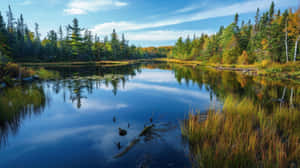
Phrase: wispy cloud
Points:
(164, 35)
(26, 2)
(160, 88)
(97, 105)
(81, 7)
(156, 76)
(59, 134)
(193, 7)
(242, 7)
(186, 9)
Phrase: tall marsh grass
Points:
(244, 135)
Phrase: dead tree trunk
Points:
(291, 98)
(282, 98)
(286, 41)
(296, 48)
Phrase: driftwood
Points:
(144, 132)
(128, 148)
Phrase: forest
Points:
(273, 37)
(70, 43)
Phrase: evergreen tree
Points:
(76, 39)
(115, 44)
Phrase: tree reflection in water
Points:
(16, 104)
(79, 81)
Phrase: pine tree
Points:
(115, 45)
(76, 39)
(271, 11)
(37, 42)
(124, 48)
(87, 45)
(10, 20)
(4, 48)
(236, 19)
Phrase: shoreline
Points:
(287, 72)
(78, 63)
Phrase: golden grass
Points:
(105, 63)
(291, 66)
(13, 70)
(243, 135)
(45, 74)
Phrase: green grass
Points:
(78, 63)
(11, 71)
(271, 71)
(244, 135)
(45, 74)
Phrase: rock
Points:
(36, 77)
(122, 132)
(246, 70)
(28, 79)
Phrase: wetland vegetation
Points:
(229, 99)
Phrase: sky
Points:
(144, 22)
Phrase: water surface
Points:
(74, 121)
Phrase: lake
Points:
(74, 121)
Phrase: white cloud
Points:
(242, 7)
(164, 35)
(156, 76)
(121, 3)
(26, 2)
(170, 90)
(59, 134)
(75, 11)
(98, 105)
(187, 9)
(80, 7)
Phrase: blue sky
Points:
(144, 22)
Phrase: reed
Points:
(242, 134)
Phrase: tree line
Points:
(273, 37)
(69, 43)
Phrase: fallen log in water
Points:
(135, 141)
(128, 148)
(146, 130)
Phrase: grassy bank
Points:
(79, 63)
(245, 135)
(265, 70)
(289, 71)
(11, 73)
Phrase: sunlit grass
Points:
(78, 63)
(12, 71)
(45, 74)
(243, 135)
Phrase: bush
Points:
(244, 58)
(266, 63)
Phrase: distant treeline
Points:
(69, 43)
(272, 37)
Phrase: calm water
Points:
(75, 121)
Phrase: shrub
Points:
(243, 59)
